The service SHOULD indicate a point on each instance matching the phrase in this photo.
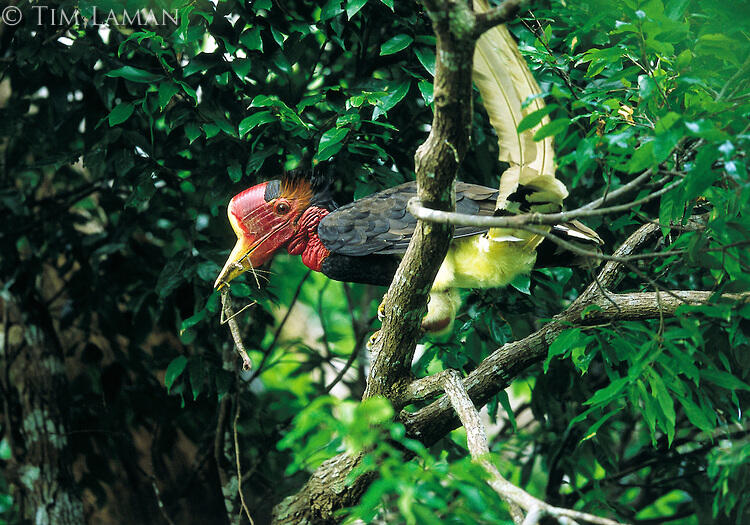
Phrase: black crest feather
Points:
(319, 181)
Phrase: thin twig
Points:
(348, 364)
(237, 459)
(501, 14)
(159, 501)
(226, 307)
(520, 220)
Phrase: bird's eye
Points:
(282, 208)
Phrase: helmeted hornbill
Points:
(363, 242)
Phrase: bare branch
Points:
(494, 374)
(228, 312)
(518, 221)
(237, 461)
(429, 386)
(476, 440)
(436, 163)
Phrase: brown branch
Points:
(226, 310)
(436, 162)
(237, 461)
(327, 491)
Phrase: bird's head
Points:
(264, 218)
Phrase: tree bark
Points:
(436, 162)
(41, 472)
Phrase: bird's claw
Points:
(381, 312)
(374, 338)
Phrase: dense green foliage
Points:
(121, 146)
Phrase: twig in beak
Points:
(226, 308)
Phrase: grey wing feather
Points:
(380, 223)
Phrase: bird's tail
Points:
(586, 244)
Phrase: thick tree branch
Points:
(436, 161)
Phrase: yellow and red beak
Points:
(237, 262)
(263, 222)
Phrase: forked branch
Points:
(517, 498)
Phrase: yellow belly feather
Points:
(481, 261)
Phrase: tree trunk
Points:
(45, 488)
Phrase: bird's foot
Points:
(381, 311)
(441, 311)
(374, 338)
(436, 326)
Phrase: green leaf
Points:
(235, 171)
(670, 208)
(211, 130)
(134, 74)
(593, 429)
(5, 452)
(562, 344)
(396, 44)
(188, 89)
(256, 119)
(166, 91)
(502, 396)
(252, 40)
(427, 90)
(665, 402)
(555, 127)
(241, 67)
(330, 143)
(353, 7)
(426, 57)
(170, 277)
(642, 158)
(174, 370)
(192, 131)
(609, 393)
(197, 372)
(388, 101)
(120, 113)
(535, 117)
(192, 321)
(696, 415)
(522, 283)
(331, 9)
(723, 379)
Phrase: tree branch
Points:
(591, 209)
(226, 310)
(436, 162)
(327, 490)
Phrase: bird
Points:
(363, 242)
